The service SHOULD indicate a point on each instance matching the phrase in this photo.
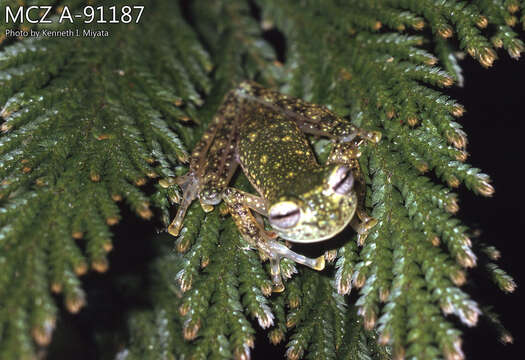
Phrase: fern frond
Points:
(91, 122)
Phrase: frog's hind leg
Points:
(221, 163)
(212, 163)
(311, 118)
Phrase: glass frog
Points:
(263, 131)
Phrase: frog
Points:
(264, 132)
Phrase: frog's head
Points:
(319, 210)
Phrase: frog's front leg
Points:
(239, 204)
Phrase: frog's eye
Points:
(284, 214)
(341, 180)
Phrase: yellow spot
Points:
(290, 174)
(287, 138)
(252, 136)
(299, 152)
(264, 159)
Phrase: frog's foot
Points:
(275, 251)
(275, 267)
(190, 186)
(276, 247)
(363, 228)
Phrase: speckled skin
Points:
(283, 167)
(263, 131)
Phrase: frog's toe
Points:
(363, 227)
(207, 208)
(319, 263)
(375, 136)
(278, 288)
(174, 229)
(370, 223)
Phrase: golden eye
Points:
(284, 215)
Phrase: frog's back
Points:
(273, 151)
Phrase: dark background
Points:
(494, 100)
